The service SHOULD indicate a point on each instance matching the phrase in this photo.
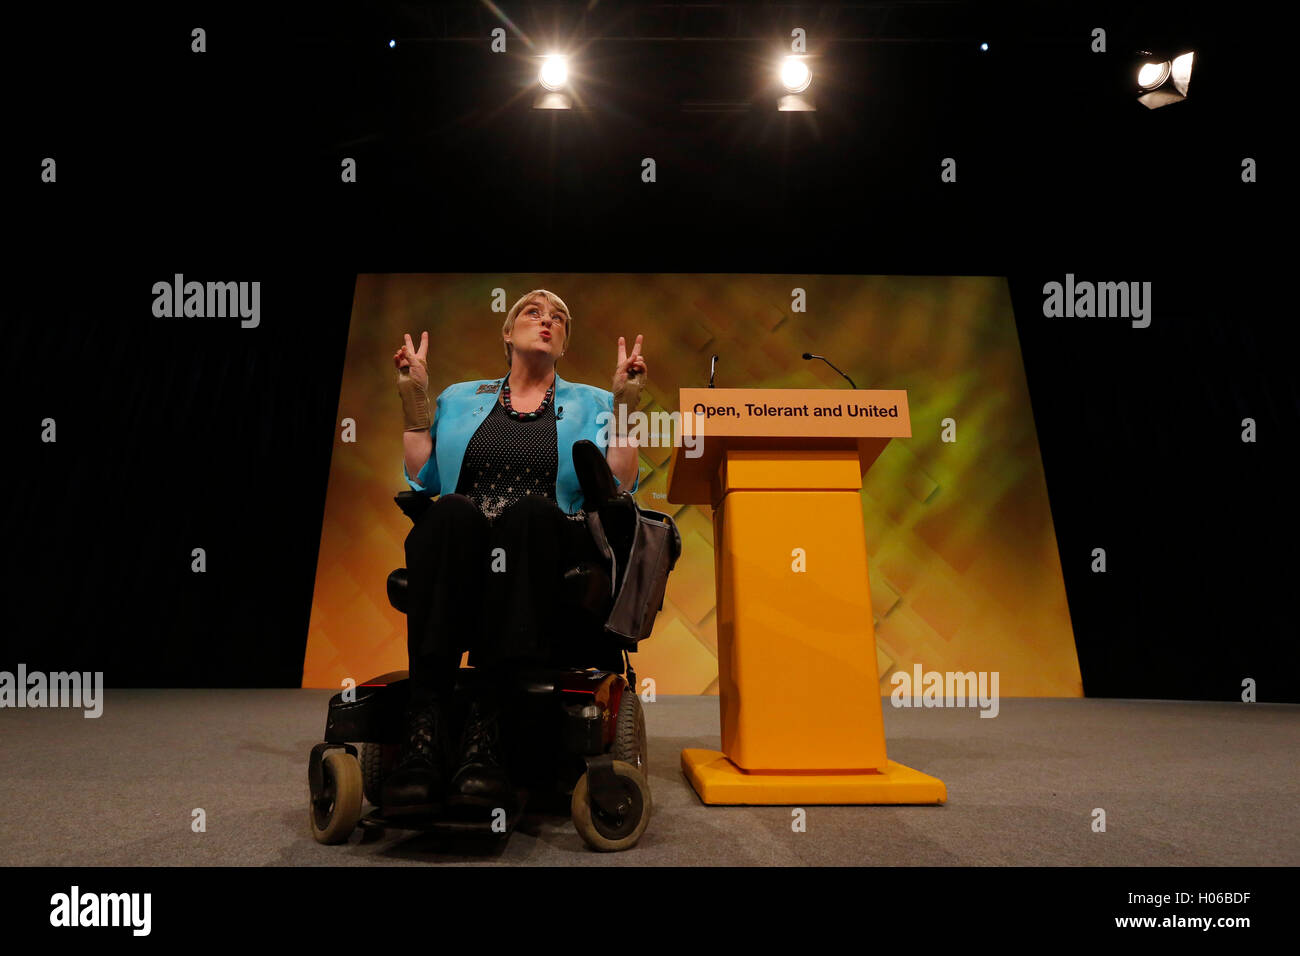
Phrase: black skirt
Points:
(495, 589)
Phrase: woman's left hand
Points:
(629, 374)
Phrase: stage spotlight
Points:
(796, 77)
(1162, 80)
(553, 75)
(984, 47)
(1152, 74)
(391, 44)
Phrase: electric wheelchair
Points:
(576, 731)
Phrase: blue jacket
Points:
(461, 409)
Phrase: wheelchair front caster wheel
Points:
(613, 831)
(335, 812)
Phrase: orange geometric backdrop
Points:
(964, 568)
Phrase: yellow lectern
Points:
(798, 688)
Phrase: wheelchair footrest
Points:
(454, 819)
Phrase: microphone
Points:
(809, 355)
(713, 365)
(559, 412)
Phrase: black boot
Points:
(481, 779)
(418, 782)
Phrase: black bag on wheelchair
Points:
(654, 545)
(641, 546)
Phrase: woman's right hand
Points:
(411, 361)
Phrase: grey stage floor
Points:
(1181, 784)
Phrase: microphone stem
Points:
(828, 362)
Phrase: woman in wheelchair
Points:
(484, 561)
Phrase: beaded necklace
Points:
(524, 416)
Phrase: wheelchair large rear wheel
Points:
(603, 831)
(336, 811)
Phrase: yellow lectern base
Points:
(719, 781)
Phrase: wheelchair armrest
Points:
(594, 475)
(602, 497)
(413, 504)
(397, 589)
(616, 520)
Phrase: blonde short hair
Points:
(555, 302)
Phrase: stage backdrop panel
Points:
(965, 572)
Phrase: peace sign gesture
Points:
(411, 361)
(630, 373)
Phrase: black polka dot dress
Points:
(508, 459)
